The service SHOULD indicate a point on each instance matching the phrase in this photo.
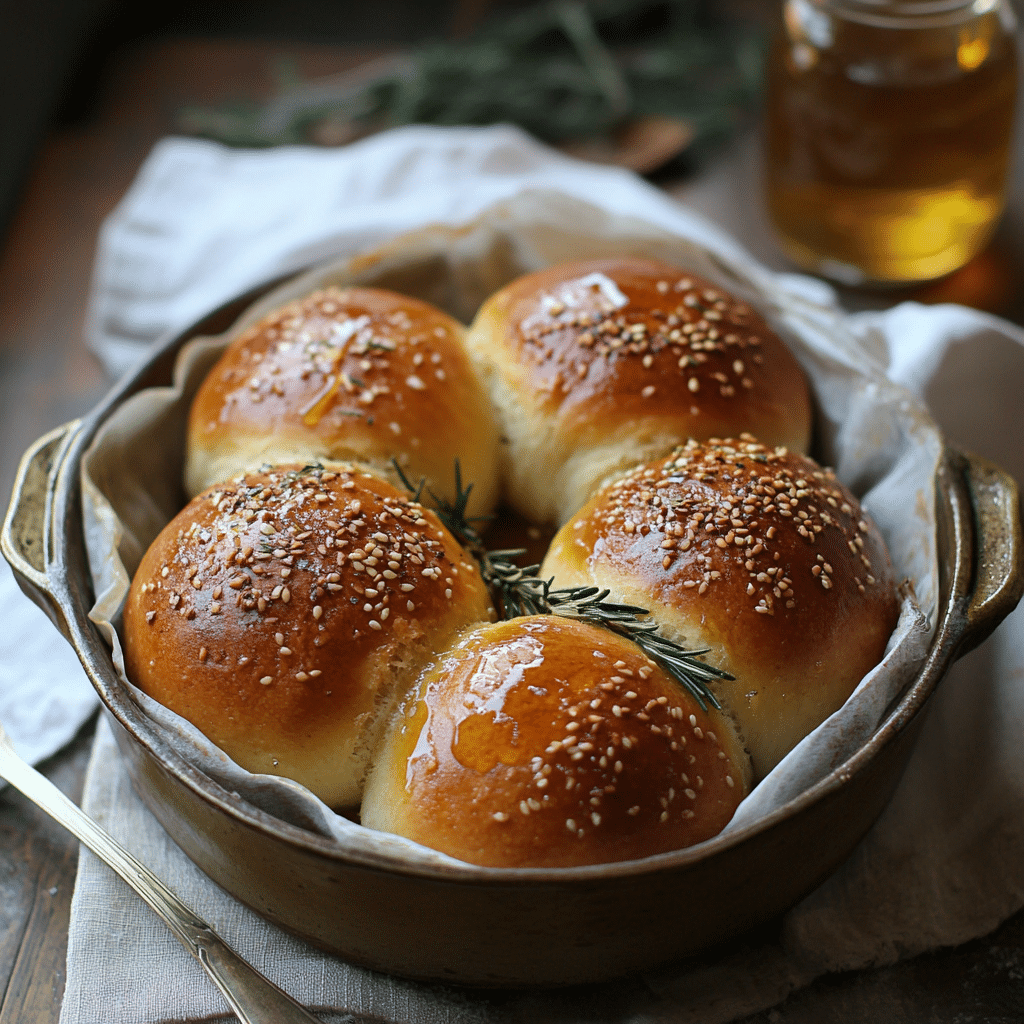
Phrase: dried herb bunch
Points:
(564, 70)
(518, 590)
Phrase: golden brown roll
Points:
(283, 613)
(360, 375)
(757, 553)
(547, 742)
(595, 366)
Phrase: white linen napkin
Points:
(45, 696)
(943, 865)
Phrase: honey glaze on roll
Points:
(284, 612)
(355, 374)
(547, 742)
(596, 365)
(759, 554)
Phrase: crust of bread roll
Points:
(284, 613)
(358, 374)
(595, 366)
(546, 742)
(757, 553)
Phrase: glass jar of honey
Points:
(888, 130)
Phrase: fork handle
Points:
(254, 998)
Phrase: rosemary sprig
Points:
(563, 70)
(520, 591)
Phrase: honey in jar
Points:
(888, 131)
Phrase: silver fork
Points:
(254, 998)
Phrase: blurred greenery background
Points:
(568, 71)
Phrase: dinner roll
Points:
(548, 742)
(284, 612)
(757, 553)
(595, 366)
(355, 374)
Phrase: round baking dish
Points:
(498, 927)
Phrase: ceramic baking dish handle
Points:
(998, 579)
(27, 539)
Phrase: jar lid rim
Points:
(912, 8)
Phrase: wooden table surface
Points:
(47, 376)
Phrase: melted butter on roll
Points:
(594, 366)
(547, 742)
(756, 552)
(356, 374)
(284, 613)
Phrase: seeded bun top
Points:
(594, 366)
(355, 374)
(759, 554)
(547, 742)
(283, 613)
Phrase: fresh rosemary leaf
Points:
(518, 591)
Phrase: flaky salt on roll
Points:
(283, 613)
(356, 374)
(548, 742)
(597, 365)
(759, 554)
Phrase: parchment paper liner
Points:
(879, 438)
